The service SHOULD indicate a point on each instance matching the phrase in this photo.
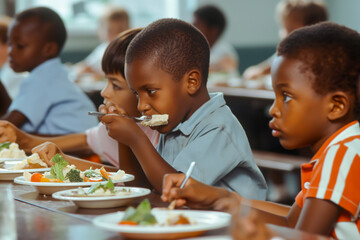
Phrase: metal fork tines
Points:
(142, 118)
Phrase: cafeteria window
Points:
(81, 16)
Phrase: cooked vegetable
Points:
(104, 173)
(4, 145)
(36, 177)
(109, 185)
(74, 175)
(90, 173)
(57, 169)
(141, 215)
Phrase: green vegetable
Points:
(141, 215)
(57, 169)
(4, 145)
(74, 175)
(90, 173)
(109, 185)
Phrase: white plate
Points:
(202, 222)
(102, 201)
(7, 174)
(11, 159)
(49, 188)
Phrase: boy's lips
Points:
(275, 131)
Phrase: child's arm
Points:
(129, 164)
(71, 142)
(127, 132)
(5, 100)
(48, 150)
(16, 118)
(317, 216)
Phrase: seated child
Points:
(8, 77)
(116, 94)
(211, 21)
(315, 76)
(47, 103)
(291, 14)
(166, 66)
(112, 22)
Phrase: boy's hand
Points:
(249, 227)
(194, 194)
(7, 132)
(122, 129)
(109, 107)
(47, 151)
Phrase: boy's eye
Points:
(286, 97)
(151, 91)
(116, 87)
(20, 46)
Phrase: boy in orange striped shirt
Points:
(315, 76)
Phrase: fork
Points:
(140, 119)
(187, 175)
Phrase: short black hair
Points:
(212, 16)
(113, 61)
(329, 51)
(56, 31)
(174, 46)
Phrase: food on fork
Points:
(11, 150)
(156, 120)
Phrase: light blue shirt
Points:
(216, 141)
(52, 103)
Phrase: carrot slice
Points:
(36, 177)
(104, 173)
(127, 222)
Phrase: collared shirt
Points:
(216, 141)
(333, 175)
(51, 103)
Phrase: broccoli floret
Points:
(74, 175)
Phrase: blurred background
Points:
(252, 27)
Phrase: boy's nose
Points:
(274, 110)
(143, 106)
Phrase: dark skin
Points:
(158, 93)
(295, 125)
(28, 48)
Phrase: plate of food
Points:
(11, 168)
(63, 176)
(101, 195)
(11, 152)
(146, 223)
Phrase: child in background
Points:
(113, 21)
(8, 77)
(47, 103)
(166, 66)
(211, 21)
(116, 94)
(291, 14)
(315, 76)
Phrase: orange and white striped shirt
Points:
(334, 174)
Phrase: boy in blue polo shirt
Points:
(167, 66)
(47, 103)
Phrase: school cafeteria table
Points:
(42, 217)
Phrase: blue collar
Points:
(216, 101)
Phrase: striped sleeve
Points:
(336, 177)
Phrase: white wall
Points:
(251, 23)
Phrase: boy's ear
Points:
(50, 49)
(194, 81)
(340, 105)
